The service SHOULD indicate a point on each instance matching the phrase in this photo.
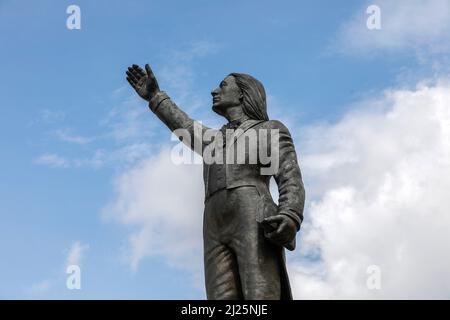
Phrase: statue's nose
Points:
(215, 92)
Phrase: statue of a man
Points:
(244, 231)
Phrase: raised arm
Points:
(186, 129)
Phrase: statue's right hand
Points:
(144, 82)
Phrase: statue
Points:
(244, 231)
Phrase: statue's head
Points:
(239, 89)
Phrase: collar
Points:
(235, 123)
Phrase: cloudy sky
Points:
(87, 177)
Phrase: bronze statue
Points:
(244, 231)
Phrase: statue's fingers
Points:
(135, 66)
(138, 70)
(133, 71)
(283, 225)
(131, 79)
(273, 219)
(150, 73)
(148, 70)
(131, 83)
(274, 235)
(278, 238)
(270, 236)
(133, 76)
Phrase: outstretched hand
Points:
(144, 82)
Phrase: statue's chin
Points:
(218, 110)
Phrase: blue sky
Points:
(71, 126)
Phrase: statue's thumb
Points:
(148, 70)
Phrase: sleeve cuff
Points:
(157, 99)
(294, 217)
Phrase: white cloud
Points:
(96, 160)
(129, 119)
(40, 288)
(52, 160)
(379, 180)
(67, 136)
(76, 253)
(417, 25)
(163, 204)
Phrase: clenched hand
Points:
(285, 230)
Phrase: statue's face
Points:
(226, 95)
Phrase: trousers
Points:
(239, 262)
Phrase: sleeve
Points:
(191, 132)
(291, 199)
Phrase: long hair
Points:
(254, 101)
